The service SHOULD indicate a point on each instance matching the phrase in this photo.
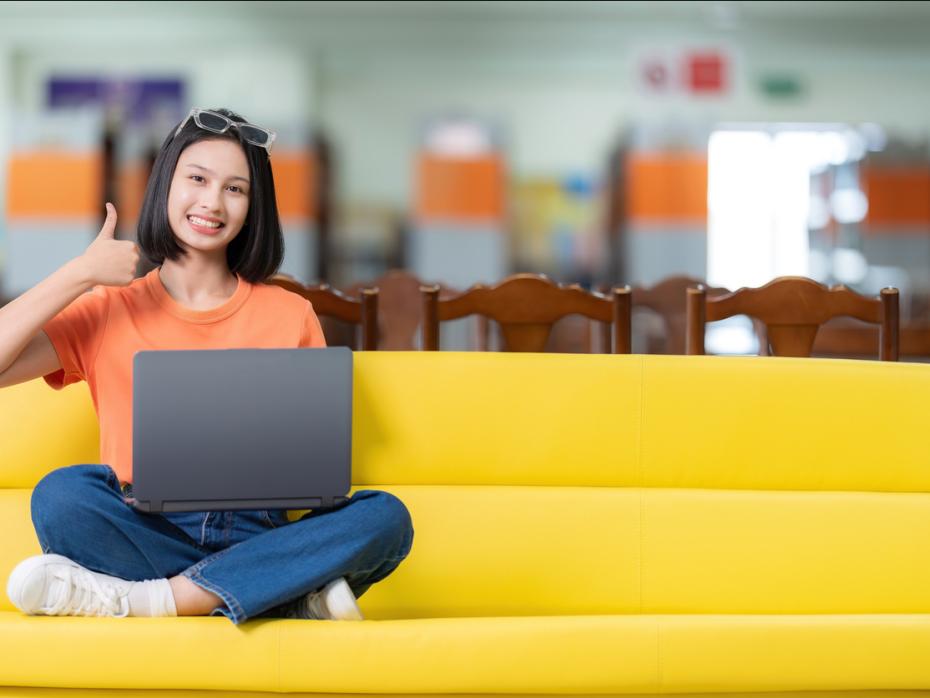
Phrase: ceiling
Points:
(597, 25)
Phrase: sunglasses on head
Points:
(217, 123)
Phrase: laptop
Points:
(241, 429)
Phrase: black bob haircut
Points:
(257, 251)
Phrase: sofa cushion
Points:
(43, 429)
(523, 551)
(433, 418)
(720, 551)
(783, 424)
(566, 654)
(446, 418)
(478, 551)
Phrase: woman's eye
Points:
(197, 178)
(237, 190)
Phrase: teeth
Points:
(200, 221)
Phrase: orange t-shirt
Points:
(98, 334)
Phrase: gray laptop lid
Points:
(241, 429)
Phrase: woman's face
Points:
(209, 197)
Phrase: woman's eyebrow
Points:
(211, 172)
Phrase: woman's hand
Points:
(108, 261)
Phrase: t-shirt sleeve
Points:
(311, 335)
(76, 334)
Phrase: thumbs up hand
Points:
(108, 261)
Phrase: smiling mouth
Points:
(204, 225)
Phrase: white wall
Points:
(560, 119)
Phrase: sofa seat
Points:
(566, 654)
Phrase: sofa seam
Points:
(642, 485)
(280, 680)
(659, 675)
(640, 447)
(641, 560)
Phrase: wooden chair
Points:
(668, 299)
(793, 309)
(525, 306)
(400, 307)
(328, 302)
(853, 339)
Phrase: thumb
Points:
(109, 225)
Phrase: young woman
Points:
(210, 222)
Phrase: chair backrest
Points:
(328, 302)
(400, 307)
(668, 299)
(525, 306)
(851, 338)
(793, 309)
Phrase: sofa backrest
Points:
(607, 484)
(640, 421)
(42, 429)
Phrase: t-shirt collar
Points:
(221, 312)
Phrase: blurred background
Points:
(596, 142)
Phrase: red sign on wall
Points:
(706, 72)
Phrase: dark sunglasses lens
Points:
(214, 122)
(253, 135)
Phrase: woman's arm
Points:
(25, 351)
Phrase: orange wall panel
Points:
(295, 181)
(460, 189)
(53, 184)
(666, 188)
(899, 196)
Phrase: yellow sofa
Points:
(608, 525)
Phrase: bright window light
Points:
(739, 208)
(759, 209)
(758, 199)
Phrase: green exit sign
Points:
(781, 86)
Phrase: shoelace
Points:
(308, 607)
(316, 605)
(80, 593)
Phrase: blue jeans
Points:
(255, 561)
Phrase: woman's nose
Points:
(211, 199)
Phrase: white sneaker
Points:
(53, 585)
(335, 601)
